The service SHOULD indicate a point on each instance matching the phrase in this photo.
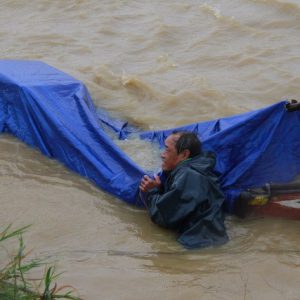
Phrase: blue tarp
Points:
(52, 111)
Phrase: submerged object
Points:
(285, 206)
(275, 200)
(50, 110)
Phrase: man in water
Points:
(186, 197)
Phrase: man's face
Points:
(169, 156)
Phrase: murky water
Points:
(158, 64)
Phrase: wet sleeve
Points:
(171, 208)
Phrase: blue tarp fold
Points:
(53, 112)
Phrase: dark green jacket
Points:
(190, 203)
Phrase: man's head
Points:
(178, 147)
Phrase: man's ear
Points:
(185, 154)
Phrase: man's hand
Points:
(148, 184)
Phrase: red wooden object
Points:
(282, 206)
